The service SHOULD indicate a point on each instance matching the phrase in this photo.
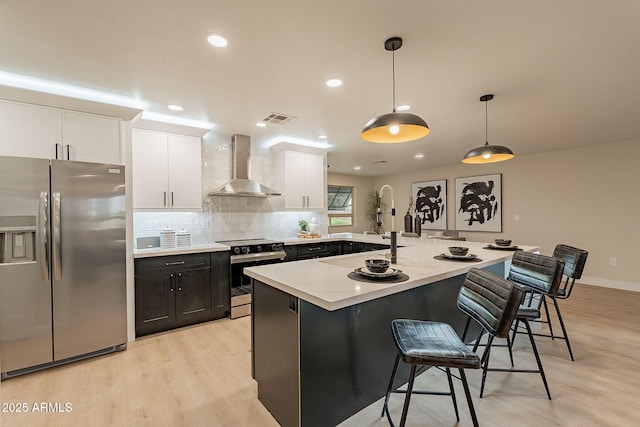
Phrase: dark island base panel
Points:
(346, 356)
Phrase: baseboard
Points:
(606, 283)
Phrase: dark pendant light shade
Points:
(487, 153)
(394, 127)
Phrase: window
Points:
(340, 201)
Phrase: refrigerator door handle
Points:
(57, 246)
(43, 242)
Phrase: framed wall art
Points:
(430, 203)
(479, 203)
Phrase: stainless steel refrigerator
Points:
(62, 262)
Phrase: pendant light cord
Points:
(393, 74)
(486, 123)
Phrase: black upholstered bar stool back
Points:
(484, 297)
(539, 275)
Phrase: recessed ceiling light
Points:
(175, 107)
(356, 168)
(322, 136)
(403, 107)
(261, 124)
(334, 82)
(217, 40)
(419, 156)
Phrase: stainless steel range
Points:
(249, 253)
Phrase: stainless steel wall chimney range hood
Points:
(241, 185)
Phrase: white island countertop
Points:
(324, 282)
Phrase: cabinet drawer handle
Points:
(174, 263)
(164, 199)
(57, 145)
(172, 199)
(68, 151)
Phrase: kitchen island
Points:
(321, 342)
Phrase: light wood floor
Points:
(200, 376)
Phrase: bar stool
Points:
(574, 262)
(537, 275)
(489, 300)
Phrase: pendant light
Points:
(394, 127)
(487, 153)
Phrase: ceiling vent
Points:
(278, 119)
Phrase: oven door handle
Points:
(262, 256)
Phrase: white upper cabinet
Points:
(303, 180)
(166, 171)
(91, 138)
(30, 130)
(185, 171)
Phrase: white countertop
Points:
(324, 282)
(215, 247)
(193, 249)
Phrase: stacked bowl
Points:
(167, 238)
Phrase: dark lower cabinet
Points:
(220, 286)
(325, 249)
(313, 250)
(180, 290)
(347, 247)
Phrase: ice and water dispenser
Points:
(17, 238)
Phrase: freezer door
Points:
(89, 256)
(25, 287)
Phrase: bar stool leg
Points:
(407, 399)
(546, 310)
(535, 352)
(468, 395)
(393, 377)
(564, 330)
(453, 394)
(485, 363)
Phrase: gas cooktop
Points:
(248, 242)
(253, 246)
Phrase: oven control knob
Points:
(276, 247)
(245, 250)
(258, 248)
(236, 251)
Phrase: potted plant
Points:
(304, 225)
(373, 202)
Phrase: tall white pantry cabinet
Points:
(301, 177)
(167, 171)
(36, 131)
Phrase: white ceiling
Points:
(564, 73)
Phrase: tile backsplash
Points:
(228, 218)
(207, 227)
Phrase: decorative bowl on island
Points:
(458, 250)
(377, 265)
(503, 242)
